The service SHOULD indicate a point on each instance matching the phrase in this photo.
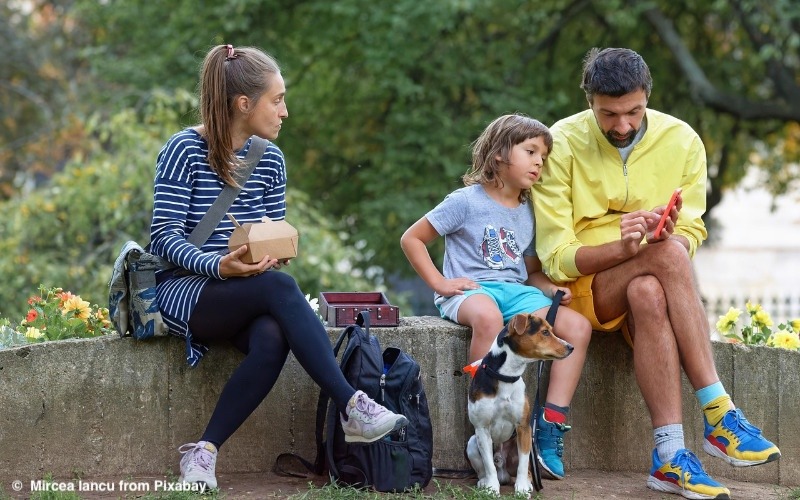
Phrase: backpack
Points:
(401, 460)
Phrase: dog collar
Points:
(496, 375)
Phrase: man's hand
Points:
(669, 226)
(455, 286)
(633, 227)
(232, 266)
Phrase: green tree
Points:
(385, 97)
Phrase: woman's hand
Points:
(232, 266)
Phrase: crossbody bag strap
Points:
(208, 223)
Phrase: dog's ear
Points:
(518, 324)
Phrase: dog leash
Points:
(534, 460)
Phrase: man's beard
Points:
(624, 142)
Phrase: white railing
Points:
(781, 308)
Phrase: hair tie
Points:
(231, 53)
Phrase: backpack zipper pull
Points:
(383, 384)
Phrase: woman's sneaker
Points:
(198, 463)
(367, 421)
(684, 475)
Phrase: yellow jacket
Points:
(585, 187)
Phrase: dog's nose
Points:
(569, 348)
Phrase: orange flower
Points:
(32, 314)
(34, 299)
(63, 297)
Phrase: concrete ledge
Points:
(122, 407)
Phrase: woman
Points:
(213, 295)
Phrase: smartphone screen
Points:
(672, 201)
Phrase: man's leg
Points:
(658, 289)
(669, 315)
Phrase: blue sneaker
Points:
(684, 475)
(738, 442)
(550, 444)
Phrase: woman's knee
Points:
(277, 279)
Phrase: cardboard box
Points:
(278, 239)
(342, 308)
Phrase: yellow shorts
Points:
(583, 302)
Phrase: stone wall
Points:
(122, 407)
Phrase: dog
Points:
(498, 405)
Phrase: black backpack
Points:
(401, 460)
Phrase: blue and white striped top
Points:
(185, 188)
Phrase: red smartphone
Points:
(672, 201)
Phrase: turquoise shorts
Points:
(511, 299)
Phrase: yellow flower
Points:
(761, 317)
(795, 323)
(80, 307)
(784, 339)
(33, 333)
(728, 320)
(752, 308)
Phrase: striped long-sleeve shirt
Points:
(185, 188)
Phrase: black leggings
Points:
(264, 316)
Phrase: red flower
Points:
(32, 314)
(34, 299)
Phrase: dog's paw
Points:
(524, 488)
(488, 484)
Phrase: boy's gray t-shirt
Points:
(483, 240)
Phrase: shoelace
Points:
(199, 455)
(687, 462)
(368, 406)
(735, 419)
(494, 245)
(560, 439)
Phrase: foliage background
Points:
(384, 99)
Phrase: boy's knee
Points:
(487, 324)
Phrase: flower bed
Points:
(55, 314)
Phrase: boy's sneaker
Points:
(367, 421)
(684, 475)
(738, 442)
(198, 463)
(550, 445)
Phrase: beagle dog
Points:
(498, 405)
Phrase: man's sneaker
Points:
(198, 463)
(367, 421)
(738, 442)
(550, 444)
(684, 475)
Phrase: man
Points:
(609, 167)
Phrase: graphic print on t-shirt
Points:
(497, 244)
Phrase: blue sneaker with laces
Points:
(738, 442)
(684, 475)
(550, 444)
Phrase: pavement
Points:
(580, 484)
